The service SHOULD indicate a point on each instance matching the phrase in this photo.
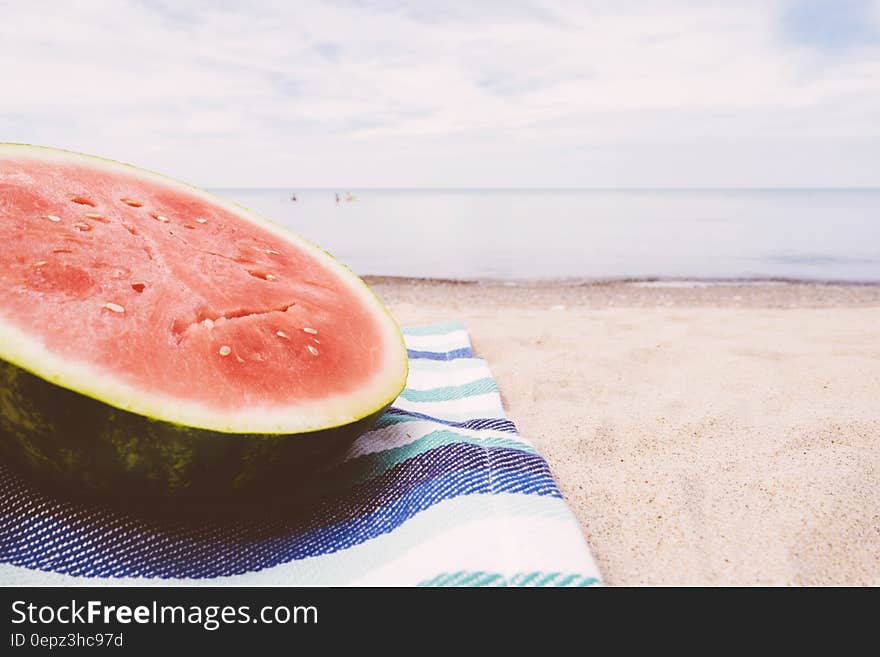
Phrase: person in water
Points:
(293, 198)
(337, 198)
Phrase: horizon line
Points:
(556, 189)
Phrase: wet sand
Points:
(723, 434)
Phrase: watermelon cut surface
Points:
(179, 330)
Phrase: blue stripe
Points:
(395, 415)
(463, 352)
(35, 532)
(363, 468)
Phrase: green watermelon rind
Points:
(70, 422)
(60, 437)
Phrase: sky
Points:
(382, 93)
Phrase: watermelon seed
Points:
(138, 287)
(61, 251)
(82, 200)
(82, 227)
(273, 252)
(202, 220)
(115, 307)
(39, 263)
(312, 350)
(53, 218)
(239, 358)
(316, 340)
(160, 217)
(225, 350)
(190, 226)
(97, 217)
(130, 229)
(134, 204)
(282, 334)
(261, 274)
(310, 331)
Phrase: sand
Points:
(710, 435)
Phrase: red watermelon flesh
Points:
(161, 299)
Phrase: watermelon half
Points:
(157, 339)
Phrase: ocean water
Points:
(588, 234)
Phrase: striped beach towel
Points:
(442, 491)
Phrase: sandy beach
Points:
(724, 434)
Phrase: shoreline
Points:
(648, 281)
(462, 296)
(701, 434)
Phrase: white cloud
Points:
(496, 94)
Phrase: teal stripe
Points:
(471, 579)
(492, 580)
(524, 579)
(454, 579)
(487, 411)
(389, 419)
(446, 393)
(546, 579)
(433, 582)
(433, 329)
(567, 581)
(482, 578)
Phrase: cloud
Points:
(448, 94)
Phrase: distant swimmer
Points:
(337, 198)
(293, 198)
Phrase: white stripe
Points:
(542, 544)
(453, 376)
(427, 365)
(457, 410)
(441, 342)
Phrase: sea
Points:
(577, 234)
